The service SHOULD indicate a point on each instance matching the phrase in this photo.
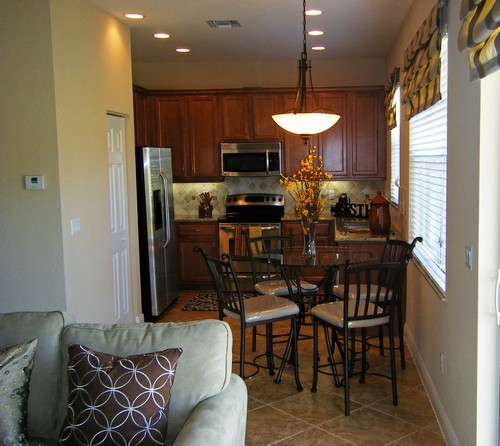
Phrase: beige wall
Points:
(31, 255)
(279, 73)
(449, 326)
(93, 75)
(63, 78)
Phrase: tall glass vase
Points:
(309, 236)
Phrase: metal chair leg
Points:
(315, 354)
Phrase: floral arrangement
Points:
(305, 187)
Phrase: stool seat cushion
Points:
(265, 308)
(278, 287)
(333, 314)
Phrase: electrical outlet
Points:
(441, 363)
(331, 194)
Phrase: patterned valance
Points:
(480, 33)
(421, 81)
(390, 108)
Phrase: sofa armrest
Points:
(219, 420)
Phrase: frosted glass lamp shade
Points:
(306, 123)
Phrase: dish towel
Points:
(255, 231)
(240, 249)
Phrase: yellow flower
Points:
(305, 187)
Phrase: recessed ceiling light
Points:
(182, 50)
(314, 12)
(318, 48)
(315, 33)
(134, 16)
(161, 35)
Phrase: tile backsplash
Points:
(186, 198)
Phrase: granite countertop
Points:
(189, 218)
(341, 235)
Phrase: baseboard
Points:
(441, 416)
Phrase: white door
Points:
(119, 218)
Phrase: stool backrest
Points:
(229, 294)
(263, 270)
(372, 290)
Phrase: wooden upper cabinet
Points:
(234, 116)
(264, 106)
(188, 125)
(332, 143)
(144, 119)
(171, 118)
(368, 134)
(294, 149)
(203, 138)
(194, 124)
(248, 117)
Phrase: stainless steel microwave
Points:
(251, 159)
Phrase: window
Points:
(428, 165)
(395, 150)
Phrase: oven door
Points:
(232, 242)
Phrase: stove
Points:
(253, 215)
(254, 208)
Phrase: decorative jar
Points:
(380, 215)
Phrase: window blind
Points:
(428, 168)
(395, 149)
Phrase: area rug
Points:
(207, 301)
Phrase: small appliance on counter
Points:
(344, 208)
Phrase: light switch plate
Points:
(76, 226)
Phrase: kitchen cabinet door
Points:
(368, 134)
(333, 142)
(248, 117)
(193, 271)
(204, 152)
(144, 119)
(171, 131)
(234, 117)
(294, 149)
(264, 106)
(325, 232)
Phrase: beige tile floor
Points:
(280, 415)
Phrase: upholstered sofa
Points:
(208, 404)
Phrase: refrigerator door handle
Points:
(166, 213)
(497, 297)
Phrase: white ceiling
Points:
(270, 29)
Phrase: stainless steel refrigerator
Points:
(157, 239)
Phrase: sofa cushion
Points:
(115, 400)
(204, 369)
(16, 363)
(45, 383)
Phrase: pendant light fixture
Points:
(298, 120)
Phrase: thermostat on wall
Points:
(33, 182)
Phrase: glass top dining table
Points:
(326, 256)
(324, 267)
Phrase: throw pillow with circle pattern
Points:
(118, 401)
(16, 363)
